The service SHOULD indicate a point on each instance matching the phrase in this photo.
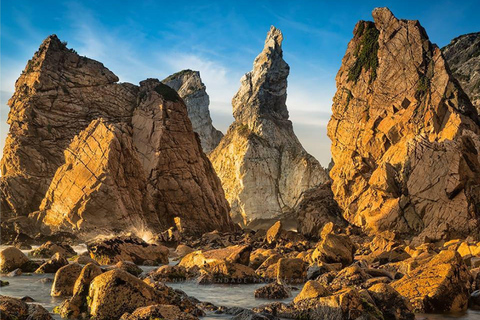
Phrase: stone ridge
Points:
(191, 89)
(83, 148)
(404, 135)
(463, 57)
(263, 167)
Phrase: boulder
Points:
(474, 300)
(158, 311)
(274, 233)
(259, 256)
(227, 272)
(234, 254)
(76, 306)
(16, 309)
(130, 267)
(312, 290)
(334, 248)
(273, 291)
(49, 248)
(182, 250)
(11, 258)
(316, 208)
(115, 292)
(51, 266)
(440, 285)
(291, 270)
(64, 280)
(391, 303)
(126, 248)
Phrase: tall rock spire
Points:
(263, 167)
(191, 89)
(404, 135)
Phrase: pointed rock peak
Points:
(182, 74)
(263, 91)
(383, 16)
(274, 38)
(185, 82)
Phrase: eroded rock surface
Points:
(262, 165)
(191, 89)
(404, 135)
(89, 154)
(463, 57)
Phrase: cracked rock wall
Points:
(404, 135)
(85, 153)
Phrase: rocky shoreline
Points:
(345, 275)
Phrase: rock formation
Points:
(404, 135)
(190, 88)
(463, 57)
(263, 167)
(91, 154)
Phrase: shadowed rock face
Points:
(463, 57)
(262, 165)
(95, 155)
(404, 135)
(189, 86)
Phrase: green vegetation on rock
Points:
(366, 51)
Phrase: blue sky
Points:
(140, 39)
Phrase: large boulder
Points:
(64, 280)
(273, 291)
(391, 303)
(233, 254)
(312, 290)
(12, 258)
(291, 270)
(333, 247)
(158, 311)
(405, 137)
(128, 248)
(49, 248)
(316, 208)
(16, 309)
(262, 165)
(439, 285)
(115, 292)
(52, 265)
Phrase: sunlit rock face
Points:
(404, 135)
(262, 165)
(191, 89)
(86, 153)
(463, 57)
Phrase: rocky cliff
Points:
(463, 57)
(404, 135)
(88, 153)
(191, 89)
(263, 167)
